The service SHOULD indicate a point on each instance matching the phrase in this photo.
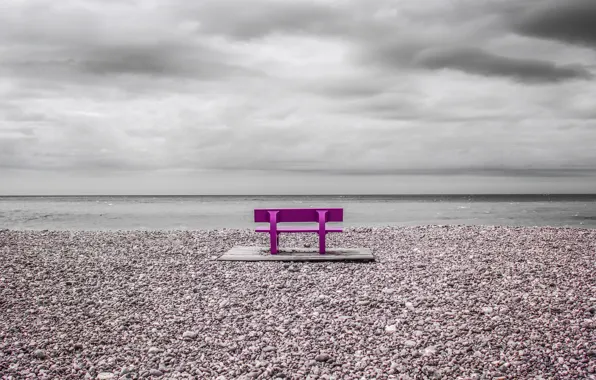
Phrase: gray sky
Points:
(279, 96)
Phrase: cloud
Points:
(76, 63)
(315, 86)
(478, 61)
(263, 17)
(387, 107)
(83, 44)
(463, 171)
(347, 87)
(565, 21)
(195, 61)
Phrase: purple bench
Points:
(298, 215)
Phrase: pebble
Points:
(322, 357)
(40, 354)
(444, 319)
(155, 372)
(105, 376)
(189, 335)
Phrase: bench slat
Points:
(299, 229)
(295, 215)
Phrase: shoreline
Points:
(346, 228)
(468, 302)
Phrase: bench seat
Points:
(299, 229)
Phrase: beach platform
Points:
(243, 253)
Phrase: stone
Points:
(40, 354)
(155, 372)
(111, 316)
(190, 335)
(322, 357)
(105, 375)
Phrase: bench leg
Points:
(322, 231)
(273, 234)
(274, 241)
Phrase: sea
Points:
(108, 213)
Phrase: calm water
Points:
(210, 212)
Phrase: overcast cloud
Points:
(267, 95)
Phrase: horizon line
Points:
(294, 195)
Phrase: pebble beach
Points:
(439, 302)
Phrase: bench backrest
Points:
(299, 215)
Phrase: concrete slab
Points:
(297, 254)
